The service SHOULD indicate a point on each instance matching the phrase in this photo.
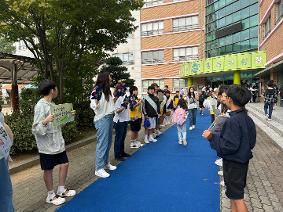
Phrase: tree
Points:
(69, 38)
(6, 46)
(118, 72)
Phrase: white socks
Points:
(61, 189)
(50, 194)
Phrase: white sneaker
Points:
(152, 139)
(101, 173)
(134, 145)
(219, 162)
(146, 140)
(220, 173)
(180, 142)
(138, 144)
(191, 128)
(158, 132)
(56, 200)
(194, 126)
(185, 142)
(222, 183)
(110, 167)
(67, 193)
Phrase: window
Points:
(146, 83)
(279, 9)
(267, 26)
(182, 24)
(148, 3)
(185, 54)
(178, 84)
(152, 28)
(127, 58)
(152, 57)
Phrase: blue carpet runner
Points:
(161, 176)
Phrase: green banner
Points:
(63, 114)
(208, 65)
(244, 61)
(230, 62)
(226, 63)
(218, 64)
(258, 59)
(196, 67)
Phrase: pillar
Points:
(15, 90)
(236, 77)
(190, 82)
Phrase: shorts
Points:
(152, 121)
(157, 120)
(136, 125)
(48, 162)
(235, 177)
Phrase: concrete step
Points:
(259, 108)
(272, 128)
(273, 124)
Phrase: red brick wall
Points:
(166, 41)
(270, 45)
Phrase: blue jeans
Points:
(193, 116)
(121, 132)
(268, 108)
(104, 128)
(6, 193)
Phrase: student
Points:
(234, 145)
(168, 107)
(221, 98)
(211, 104)
(202, 97)
(176, 100)
(50, 144)
(151, 110)
(192, 107)
(160, 96)
(135, 116)
(121, 120)
(269, 100)
(179, 118)
(6, 192)
(103, 106)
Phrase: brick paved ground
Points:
(29, 188)
(264, 187)
(264, 191)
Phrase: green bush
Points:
(28, 100)
(21, 126)
(70, 132)
(84, 114)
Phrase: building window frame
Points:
(279, 11)
(147, 82)
(126, 57)
(185, 53)
(150, 3)
(178, 84)
(152, 28)
(185, 23)
(267, 26)
(152, 57)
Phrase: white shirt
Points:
(48, 138)
(124, 115)
(103, 107)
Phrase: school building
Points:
(231, 44)
(271, 40)
(172, 32)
